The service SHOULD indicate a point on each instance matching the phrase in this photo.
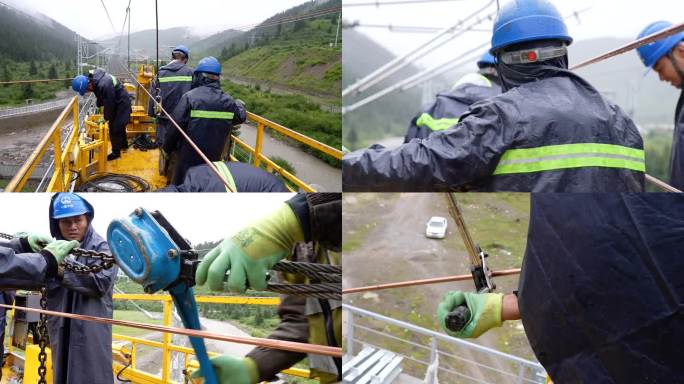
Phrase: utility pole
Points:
(337, 34)
(128, 61)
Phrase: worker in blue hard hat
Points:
(173, 81)
(33, 261)
(666, 56)
(207, 114)
(550, 131)
(448, 106)
(111, 95)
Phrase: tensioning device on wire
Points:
(152, 253)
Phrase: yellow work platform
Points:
(143, 164)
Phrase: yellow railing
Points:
(257, 155)
(54, 138)
(138, 376)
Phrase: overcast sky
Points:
(88, 18)
(614, 18)
(198, 217)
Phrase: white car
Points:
(436, 227)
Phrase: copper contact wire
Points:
(256, 341)
(436, 280)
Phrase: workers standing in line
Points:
(448, 106)
(81, 350)
(172, 82)
(311, 224)
(600, 292)
(207, 114)
(242, 177)
(111, 95)
(550, 131)
(666, 57)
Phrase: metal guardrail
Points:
(508, 369)
(256, 155)
(33, 108)
(61, 157)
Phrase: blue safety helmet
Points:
(521, 21)
(485, 60)
(80, 84)
(651, 53)
(183, 49)
(66, 204)
(209, 65)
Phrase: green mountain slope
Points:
(25, 37)
(298, 54)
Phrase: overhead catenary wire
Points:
(108, 17)
(435, 280)
(404, 84)
(44, 80)
(286, 19)
(256, 341)
(406, 28)
(631, 46)
(401, 61)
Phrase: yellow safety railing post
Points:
(19, 180)
(166, 353)
(134, 348)
(259, 144)
(104, 137)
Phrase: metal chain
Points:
(107, 260)
(86, 269)
(42, 342)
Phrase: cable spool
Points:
(113, 182)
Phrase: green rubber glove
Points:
(231, 370)
(36, 240)
(251, 252)
(485, 312)
(60, 249)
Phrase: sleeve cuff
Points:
(300, 207)
(252, 368)
(51, 270)
(25, 246)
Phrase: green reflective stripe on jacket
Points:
(570, 156)
(174, 79)
(425, 120)
(114, 81)
(225, 172)
(211, 114)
